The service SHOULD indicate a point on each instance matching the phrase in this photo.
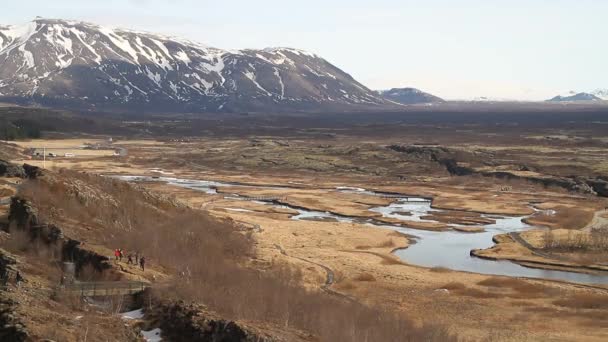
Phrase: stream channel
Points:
(449, 249)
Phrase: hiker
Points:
(117, 253)
(18, 279)
(120, 254)
(130, 259)
(142, 262)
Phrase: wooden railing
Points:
(105, 288)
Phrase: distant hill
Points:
(574, 97)
(409, 96)
(601, 93)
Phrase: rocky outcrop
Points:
(31, 171)
(456, 164)
(11, 327)
(24, 216)
(440, 155)
(8, 169)
(571, 184)
(600, 186)
(21, 214)
(73, 251)
(180, 321)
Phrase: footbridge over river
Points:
(104, 288)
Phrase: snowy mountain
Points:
(409, 96)
(82, 65)
(601, 93)
(573, 96)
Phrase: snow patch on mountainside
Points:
(89, 65)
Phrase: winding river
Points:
(449, 249)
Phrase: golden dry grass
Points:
(365, 277)
(439, 269)
(584, 301)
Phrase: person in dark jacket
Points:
(142, 262)
(18, 279)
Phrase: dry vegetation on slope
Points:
(208, 260)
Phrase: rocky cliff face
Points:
(180, 321)
(12, 327)
(24, 216)
(76, 64)
(461, 163)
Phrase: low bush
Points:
(365, 277)
(584, 301)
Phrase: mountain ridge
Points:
(575, 97)
(77, 64)
(409, 95)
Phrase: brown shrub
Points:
(346, 285)
(363, 247)
(391, 261)
(365, 277)
(595, 242)
(439, 269)
(522, 288)
(387, 244)
(454, 286)
(461, 289)
(584, 301)
(572, 218)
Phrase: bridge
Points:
(404, 198)
(264, 198)
(105, 288)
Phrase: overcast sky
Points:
(516, 49)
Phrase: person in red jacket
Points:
(117, 253)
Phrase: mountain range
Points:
(572, 96)
(81, 65)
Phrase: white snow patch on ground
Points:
(155, 77)
(27, 56)
(120, 42)
(161, 46)
(217, 67)
(18, 35)
(312, 71)
(135, 314)
(63, 41)
(81, 36)
(21, 32)
(152, 335)
(182, 56)
(61, 63)
(278, 75)
(250, 75)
